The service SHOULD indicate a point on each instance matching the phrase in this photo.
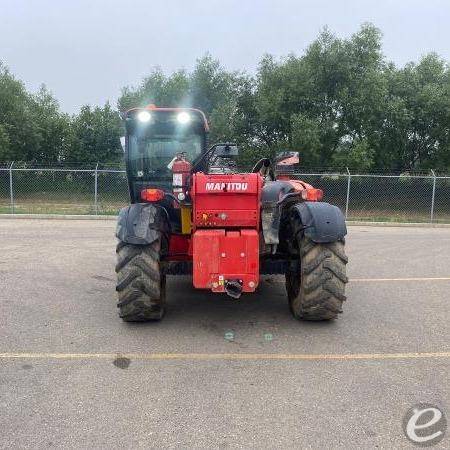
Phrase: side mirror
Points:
(226, 150)
(287, 159)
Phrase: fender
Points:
(141, 223)
(321, 222)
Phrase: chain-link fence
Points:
(374, 197)
(62, 190)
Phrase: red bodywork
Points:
(224, 201)
(224, 244)
(221, 255)
(225, 239)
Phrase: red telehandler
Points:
(192, 212)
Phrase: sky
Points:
(86, 51)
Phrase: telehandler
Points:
(193, 213)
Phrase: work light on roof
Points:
(183, 117)
(144, 116)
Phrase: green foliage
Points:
(4, 144)
(17, 130)
(51, 142)
(157, 89)
(95, 136)
(307, 135)
(340, 104)
(356, 155)
(32, 128)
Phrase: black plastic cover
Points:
(141, 223)
(321, 221)
(274, 190)
(271, 193)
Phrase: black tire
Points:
(140, 282)
(316, 288)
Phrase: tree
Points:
(158, 89)
(5, 147)
(327, 97)
(18, 130)
(95, 136)
(339, 104)
(52, 128)
(32, 127)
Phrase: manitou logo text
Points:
(226, 186)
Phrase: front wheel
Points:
(141, 284)
(316, 285)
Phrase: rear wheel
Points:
(316, 286)
(140, 282)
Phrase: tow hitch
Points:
(233, 288)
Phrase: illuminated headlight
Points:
(144, 116)
(183, 117)
(181, 196)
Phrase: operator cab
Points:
(161, 145)
(155, 138)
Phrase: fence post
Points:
(11, 190)
(348, 192)
(433, 196)
(96, 190)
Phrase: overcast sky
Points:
(85, 51)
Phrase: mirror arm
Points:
(203, 157)
(262, 162)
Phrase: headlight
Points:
(183, 117)
(144, 116)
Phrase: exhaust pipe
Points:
(233, 288)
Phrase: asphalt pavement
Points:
(217, 373)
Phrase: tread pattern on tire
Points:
(318, 290)
(140, 282)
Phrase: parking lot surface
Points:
(217, 372)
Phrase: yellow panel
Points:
(186, 224)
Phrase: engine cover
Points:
(226, 200)
(222, 256)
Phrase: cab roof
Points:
(197, 112)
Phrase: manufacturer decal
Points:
(232, 186)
